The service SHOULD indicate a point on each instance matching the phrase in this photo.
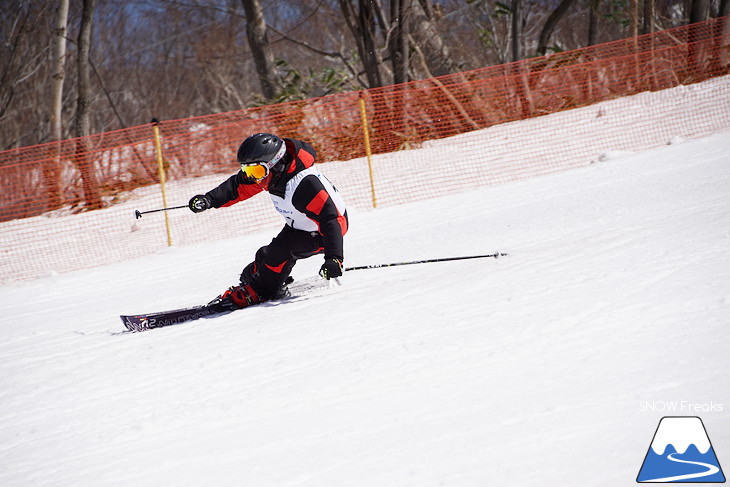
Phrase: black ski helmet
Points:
(264, 148)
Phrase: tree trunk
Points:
(92, 194)
(723, 31)
(724, 8)
(399, 45)
(372, 59)
(699, 11)
(550, 23)
(258, 41)
(362, 27)
(524, 105)
(52, 169)
(592, 23)
(634, 16)
(649, 9)
(59, 63)
(516, 30)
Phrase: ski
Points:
(166, 318)
(160, 319)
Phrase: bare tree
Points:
(362, 26)
(634, 18)
(182, 58)
(58, 75)
(430, 41)
(408, 31)
(260, 47)
(700, 11)
(724, 8)
(399, 42)
(490, 23)
(516, 30)
(549, 27)
(52, 170)
(82, 124)
(649, 9)
(592, 22)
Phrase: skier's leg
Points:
(273, 263)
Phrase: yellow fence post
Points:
(161, 173)
(366, 135)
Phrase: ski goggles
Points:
(255, 170)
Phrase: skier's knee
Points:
(249, 273)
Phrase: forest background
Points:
(70, 68)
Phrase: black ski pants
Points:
(274, 262)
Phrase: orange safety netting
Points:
(50, 190)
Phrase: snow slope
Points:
(527, 370)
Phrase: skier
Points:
(316, 219)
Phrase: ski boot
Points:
(235, 297)
(283, 291)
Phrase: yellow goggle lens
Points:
(255, 171)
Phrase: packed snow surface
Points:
(549, 367)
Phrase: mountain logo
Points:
(680, 452)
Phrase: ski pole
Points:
(495, 255)
(138, 214)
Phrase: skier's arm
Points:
(234, 189)
(231, 191)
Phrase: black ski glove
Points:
(200, 202)
(331, 268)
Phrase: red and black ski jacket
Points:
(301, 194)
